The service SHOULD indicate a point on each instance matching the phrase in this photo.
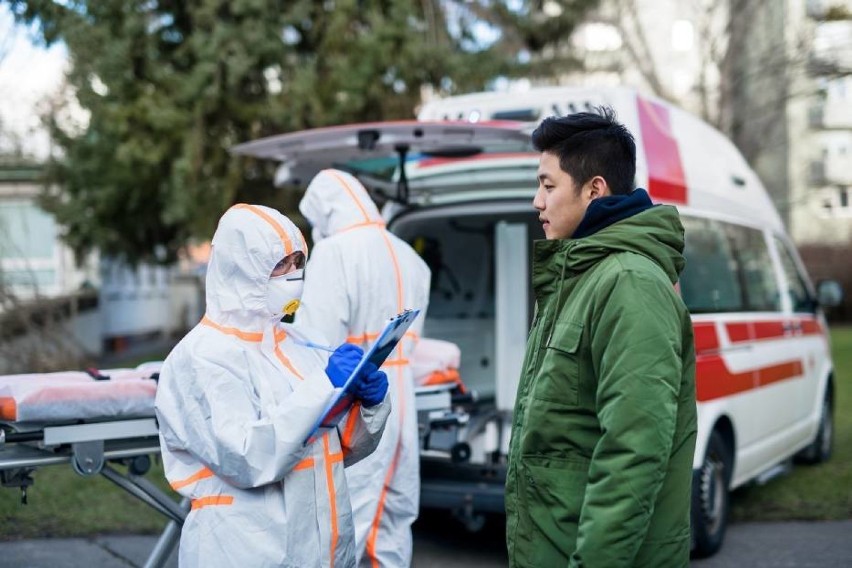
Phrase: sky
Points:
(28, 73)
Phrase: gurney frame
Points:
(91, 448)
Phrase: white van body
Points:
(764, 371)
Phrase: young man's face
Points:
(561, 205)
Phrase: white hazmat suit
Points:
(235, 401)
(360, 275)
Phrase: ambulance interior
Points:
(461, 249)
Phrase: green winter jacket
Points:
(600, 462)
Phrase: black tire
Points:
(710, 498)
(820, 449)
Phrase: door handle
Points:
(791, 326)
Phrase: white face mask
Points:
(283, 293)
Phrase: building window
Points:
(27, 232)
(29, 278)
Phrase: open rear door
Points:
(376, 150)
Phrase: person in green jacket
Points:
(600, 461)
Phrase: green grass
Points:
(812, 492)
(64, 504)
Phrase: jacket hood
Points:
(247, 244)
(605, 211)
(335, 201)
(656, 233)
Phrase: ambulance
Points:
(458, 185)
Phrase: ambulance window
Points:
(756, 272)
(709, 282)
(797, 290)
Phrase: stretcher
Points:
(102, 421)
(96, 421)
(441, 398)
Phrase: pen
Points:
(313, 345)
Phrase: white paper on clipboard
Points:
(343, 399)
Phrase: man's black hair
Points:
(590, 144)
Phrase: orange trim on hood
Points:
(282, 234)
(351, 193)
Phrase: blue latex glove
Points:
(371, 386)
(342, 362)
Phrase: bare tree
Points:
(744, 70)
(33, 333)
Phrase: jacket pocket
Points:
(558, 376)
(554, 492)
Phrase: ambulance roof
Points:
(680, 159)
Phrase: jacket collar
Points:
(655, 232)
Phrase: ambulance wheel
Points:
(710, 499)
(819, 450)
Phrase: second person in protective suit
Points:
(360, 275)
(238, 397)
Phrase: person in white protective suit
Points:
(236, 400)
(360, 275)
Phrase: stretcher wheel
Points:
(460, 452)
(139, 465)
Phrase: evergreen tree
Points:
(170, 85)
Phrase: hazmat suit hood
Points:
(335, 201)
(249, 241)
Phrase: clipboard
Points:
(343, 399)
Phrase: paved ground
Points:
(439, 542)
(785, 545)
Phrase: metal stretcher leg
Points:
(146, 491)
(166, 543)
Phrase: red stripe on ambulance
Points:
(764, 330)
(705, 337)
(715, 380)
(738, 332)
(666, 180)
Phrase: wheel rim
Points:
(713, 492)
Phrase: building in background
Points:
(33, 259)
(78, 312)
(774, 75)
(827, 216)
